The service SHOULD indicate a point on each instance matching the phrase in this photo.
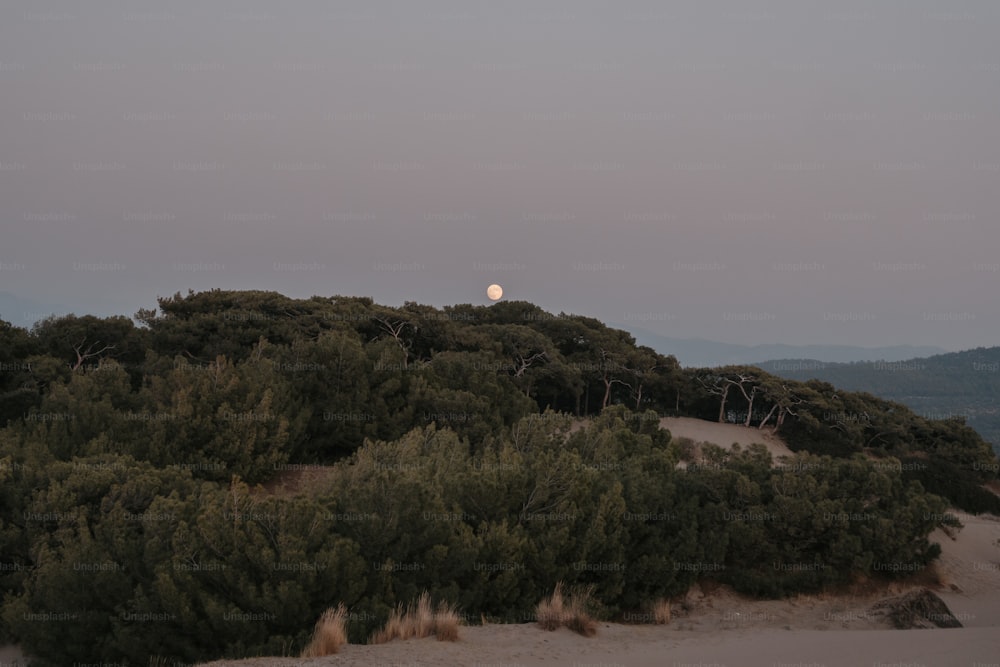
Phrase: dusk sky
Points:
(749, 172)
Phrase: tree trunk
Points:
(722, 405)
(767, 418)
(781, 420)
(753, 395)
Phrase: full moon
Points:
(494, 292)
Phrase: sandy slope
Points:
(724, 435)
(970, 567)
(11, 656)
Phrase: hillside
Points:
(483, 454)
(963, 385)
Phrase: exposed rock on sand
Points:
(917, 609)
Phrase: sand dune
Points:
(724, 435)
(970, 567)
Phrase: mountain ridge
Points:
(700, 352)
(958, 385)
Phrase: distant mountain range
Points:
(697, 352)
(23, 312)
(957, 384)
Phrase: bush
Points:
(958, 485)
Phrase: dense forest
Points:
(959, 385)
(139, 459)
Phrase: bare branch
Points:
(83, 354)
(395, 329)
(525, 362)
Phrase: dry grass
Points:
(556, 611)
(330, 633)
(661, 611)
(416, 622)
(549, 612)
(446, 623)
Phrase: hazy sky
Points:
(795, 172)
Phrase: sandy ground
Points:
(642, 646)
(724, 435)
(11, 656)
(970, 569)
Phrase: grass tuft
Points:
(661, 611)
(446, 623)
(549, 612)
(419, 621)
(330, 633)
(558, 611)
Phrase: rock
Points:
(917, 609)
